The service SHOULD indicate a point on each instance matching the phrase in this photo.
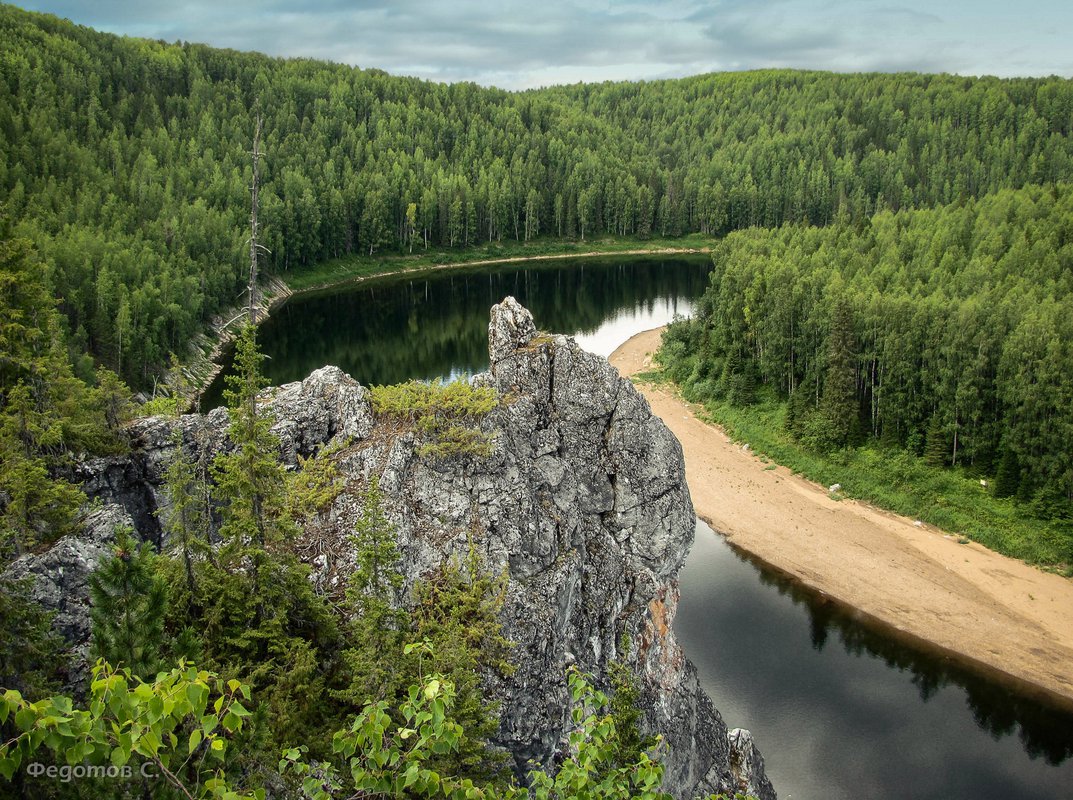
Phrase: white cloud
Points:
(515, 44)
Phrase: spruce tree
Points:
(30, 651)
(34, 506)
(43, 408)
(839, 403)
(381, 629)
(129, 602)
(935, 444)
(456, 609)
(625, 708)
(186, 520)
(1008, 477)
(250, 479)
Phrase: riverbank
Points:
(991, 612)
(208, 349)
(355, 268)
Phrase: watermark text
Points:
(75, 772)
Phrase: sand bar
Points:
(994, 613)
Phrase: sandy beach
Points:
(997, 614)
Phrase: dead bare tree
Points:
(252, 289)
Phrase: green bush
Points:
(442, 413)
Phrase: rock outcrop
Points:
(583, 503)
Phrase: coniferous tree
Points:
(34, 506)
(626, 711)
(935, 447)
(30, 651)
(186, 520)
(456, 610)
(250, 479)
(372, 661)
(839, 403)
(113, 398)
(1008, 477)
(129, 603)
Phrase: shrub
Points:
(442, 413)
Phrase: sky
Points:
(521, 44)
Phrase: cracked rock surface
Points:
(583, 503)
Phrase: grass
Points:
(442, 413)
(896, 481)
(339, 270)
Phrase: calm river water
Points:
(839, 711)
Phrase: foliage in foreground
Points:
(175, 728)
(181, 726)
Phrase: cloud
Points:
(519, 44)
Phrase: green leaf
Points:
(198, 695)
(120, 756)
(25, 718)
(7, 768)
(144, 691)
(194, 740)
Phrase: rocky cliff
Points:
(583, 502)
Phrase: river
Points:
(838, 710)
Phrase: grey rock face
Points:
(746, 764)
(583, 503)
(60, 580)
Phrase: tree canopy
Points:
(945, 332)
(126, 161)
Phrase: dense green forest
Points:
(896, 273)
(126, 162)
(945, 332)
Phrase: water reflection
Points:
(840, 709)
(436, 324)
(995, 708)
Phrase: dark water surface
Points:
(436, 324)
(838, 711)
(842, 712)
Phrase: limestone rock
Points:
(746, 764)
(60, 581)
(583, 503)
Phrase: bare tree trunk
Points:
(251, 286)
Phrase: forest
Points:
(126, 163)
(942, 332)
(893, 265)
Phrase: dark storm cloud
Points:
(517, 44)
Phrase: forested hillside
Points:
(947, 332)
(126, 162)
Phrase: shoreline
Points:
(487, 262)
(209, 347)
(992, 614)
